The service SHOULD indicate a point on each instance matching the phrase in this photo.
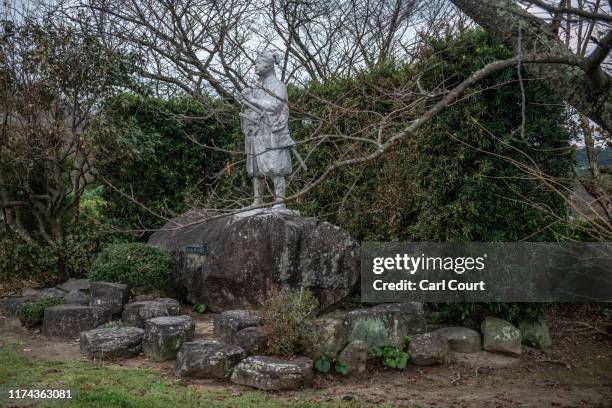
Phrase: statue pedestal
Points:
(235, 262)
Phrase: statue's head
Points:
(265, 62)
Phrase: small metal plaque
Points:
(196, 249)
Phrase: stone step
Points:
(111, 342)
(207, 359)
(68, 321)
(272, 373)
(165, 335)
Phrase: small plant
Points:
(199, 308)
(136, 264)
(290, 320)
(391, 356)
(31, 314)
(341, 367)
(324, 364)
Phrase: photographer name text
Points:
(413, 264)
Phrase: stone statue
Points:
(264, 120)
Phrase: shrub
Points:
(49, 265)
(391, 356)
(31, 313)
(135, 264)
(290, 319)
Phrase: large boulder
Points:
(227, 324)
(461, 339)
(67, 321)
(137, 313)
(165, 335)
(207, 359)
(109, 295)
(499, 336)
(385, 325)
(271, 373)
(111, 342)
(235, 262)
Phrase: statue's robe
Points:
(267, 139)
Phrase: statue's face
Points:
(263, 66)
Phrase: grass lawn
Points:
(95, 384)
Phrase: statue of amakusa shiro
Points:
(264, 121)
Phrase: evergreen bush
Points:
(31, 314)
(135, 264)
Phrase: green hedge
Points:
(144, 147)
(135, 264)
(455, 179)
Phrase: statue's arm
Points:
(275, 97)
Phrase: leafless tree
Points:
(587, 88)
(325, 39)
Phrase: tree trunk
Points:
(589, 92)
(589, 145)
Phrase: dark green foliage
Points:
(324, 364)
(144, 148)
(340, 367)
(470, 185)
(391, 356)
(457, 179)
(31, 314)
(199, 308)
(50, 265)
(290, 321)
(374, 201)
(135, 264)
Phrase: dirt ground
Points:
(575, 372)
